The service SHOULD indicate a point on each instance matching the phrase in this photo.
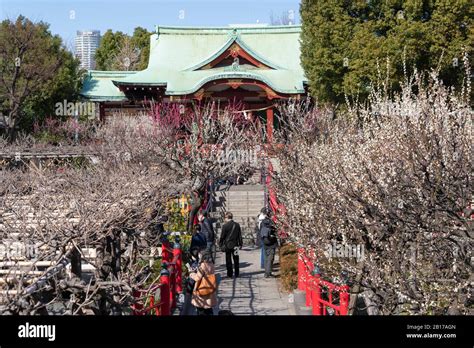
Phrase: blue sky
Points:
(67, 16)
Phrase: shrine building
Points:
(257, 66)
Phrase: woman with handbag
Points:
(205, 289)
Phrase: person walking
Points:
(198, 240)
(268, 234)
(204, 296)
(230, 242)
(207, 231)
(258, 240)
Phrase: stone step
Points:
(303, 310)
(243, 223)
(244, 216)
(239, 218)
(244, 193)
(244, 220)
(245, 211)
(245, 203)
(241, 200)
(252, 200)
(244, 206)
(242, 188)
(248, 188)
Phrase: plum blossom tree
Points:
(394, 178)
(112, 207)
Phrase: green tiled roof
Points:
(98, 85)
(177, 52)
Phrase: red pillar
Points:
(165, 293)
(308, 288)
(152, 304)
(172, 291)
(269, 125)
(177, 255)
(166, 253)
(301, 285)
(137, 307)
(316, 295)
(308, 269)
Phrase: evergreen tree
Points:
(115, 45)
(141, 40)
(64, 86)
(347, 45)
(109, 47)
(36, 71)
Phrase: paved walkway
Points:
(250, 293)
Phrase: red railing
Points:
(321, 295)
(169, 285)
(275, 206)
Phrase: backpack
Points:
(198, 240)
(207, 285)
(267, 234)
(264, 231)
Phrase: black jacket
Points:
(207, 230)
(230, 239)
(272, 239)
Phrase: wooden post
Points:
(101, 112)
(76, 266)
(269, 125)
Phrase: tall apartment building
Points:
(86, 43)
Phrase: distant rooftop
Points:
(248, 25)
(237, 28)
(88, 32)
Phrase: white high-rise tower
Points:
(86, 43)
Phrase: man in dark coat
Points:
(198, 240)
(268, 234)
(208, 232)
(206, 228)
(230, 243)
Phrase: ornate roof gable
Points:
(233, 54)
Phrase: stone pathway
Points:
(250, 293)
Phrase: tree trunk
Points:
(197, 200)
(11, 124)
(76, 266)
(355, 290)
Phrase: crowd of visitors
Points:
(202, 284)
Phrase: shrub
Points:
(289, 267)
